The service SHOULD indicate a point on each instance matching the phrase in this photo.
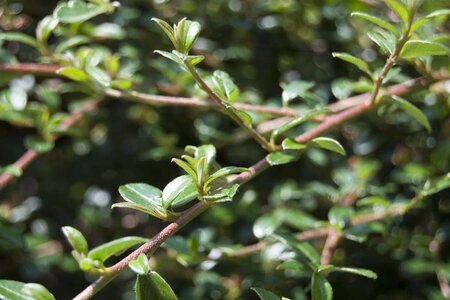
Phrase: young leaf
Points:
(416, 48)
(378, 21)
(439, 13)
(77, 11)
(75, 239)
(168, 30)
(142, 194)
(73, 73)
(294, 89)
(328, 144)
(224, 86)
(71, 42)
(265, 294)
(153, 287)
(295, 122)
(266, 225)
(225, 172)
(179, 191)
(18, 37)
(413, 111)
(435, 185)
(304, 250)
(291, 144)
(384, 39)
(174, 56)
(45, 27)
(223, 195)
(282, 157)
(140, 265)
(362, 65)
(115, 247)
(186, 167)
(12, 290)
(320, 288)
(186, 34)
(37, 292)
(358, 271)
(98, 75)
(38, 144)
(399, 9)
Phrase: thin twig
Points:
(330, 245)
(443, 284)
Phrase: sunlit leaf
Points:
(358, 62)
(153, 287)
(416, 48)
(76, 239)
(114, 248)
(320, 288)
(413, 111)
(328, 144)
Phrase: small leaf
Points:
(168, 30)
(282, 157)
(304, 250)
(12, 170)
(115, 247)
(416, 48)
(37, 292)
(413, 111)
(122, 84)
(140, 265)
(18, 37)
(73, 73)
(340, 216)
(188, 168)
(297, 218)
(179, 191)
(223, 195)
(383, 39)
(224, 86)
(378, 21)
(328, 144)
(12, 290)
(362, 65)
(439, 13)
(225, 172)
(38, 144)
(98, 75)
(435, 185)
(399, 9)
(45, 27)
(295, 122)
(186, 34)
(291, 144)
(66, 44)
(194, 59)
(153, 287)
(174, 56)
(358, 271)
(77, 11)
(76, 239)
(292, 90)
(265, 294)
(320, 288)
(266, 225)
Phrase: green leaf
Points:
(399, 9)
(385, 40)
(358, 271)
(223, 195)
(291, 144)
(282, 157)
(188, 168)
(12, 290)
(140, 265)
(122, 84)
(224, 86)
(225, 172)
(328, 144)
(76, 239)
(304, 250)
(174, 56)
(73, 73)
(339, 215)
(208, 151)
(186, 33)
(435, 185)
(296, 218)
(416, 48)
(168, 30)
(98, 75)
(292, 90)
(359, 63)
(37, 292)
(378, 21)
(11, 170)
(265, 294)
(295, 122)
(77, 11)
(266, 225)
(153, 287)
(179, 191)
(45, 27)
(115, 247)
(38, 144)
(439, 13)
(320, 288)
(194, 59)
(18, 37)
(71, 42)
(412, 110)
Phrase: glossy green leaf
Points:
(225, 172)
(295, 122)
(339, 215)
(122, 84)
(188, 168)
(265, 294)
(296, 218)
(413, 111)
(179, 191)
(37, 292)
(98, 75)
(385, 40)
(266, 225)
(18, 37)
(223, 195)
(45, 27)
(174, 56)
(38, 144)
(140, 265)
(320, 288)
(359, 63)
(153, 287)
(194, 59)
(399, 9)
(283, 157)
(328, 144)
(168, 30)
(358, 271)
(435, 185)
(77, 11)
(416, 48)
(295, 89)
(186, 33)
(75, 239)
(73, 73)
(378, 21)
(71, 42)
(306, 252)
(291, 144)
(114, 248)
(12, 290)
(224, 86)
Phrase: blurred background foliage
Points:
(263, 45)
